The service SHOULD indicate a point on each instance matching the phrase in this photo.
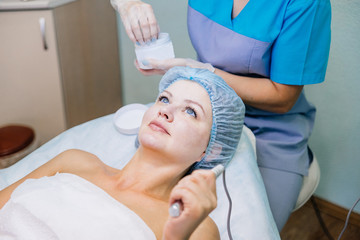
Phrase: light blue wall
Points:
(336, 137)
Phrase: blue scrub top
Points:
(287, 41)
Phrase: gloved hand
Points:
(138, 19)
(160, 67)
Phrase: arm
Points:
(264, 94)
(48, 169)
(71, 161)
(261, 93)
(197, 192)
(206, 230)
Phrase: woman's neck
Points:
(238, 6)
(150, 174)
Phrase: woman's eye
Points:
(191, 112)
(163, 99)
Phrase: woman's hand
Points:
(138, 19)
(197, 194)
(159, 67)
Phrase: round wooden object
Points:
(14, 140)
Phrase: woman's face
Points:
(179, 123)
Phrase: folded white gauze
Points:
(66, 206)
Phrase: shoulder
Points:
(76, 161)
(308, 10)
(71, 153)
(206, 230)
(70, 161)
(304, 4)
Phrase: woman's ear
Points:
(200, 158)
(215, 151)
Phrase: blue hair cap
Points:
(228, 112)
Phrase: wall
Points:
(336, 135)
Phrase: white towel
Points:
(67, 206)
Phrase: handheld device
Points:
(175, 208)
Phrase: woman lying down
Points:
(194, 125)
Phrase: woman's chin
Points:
(150, 141)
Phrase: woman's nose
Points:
(166, 113)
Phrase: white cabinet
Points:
(73, 79)
(30, 80)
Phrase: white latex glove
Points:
(197, 192)
(138, 19)
(160, 67)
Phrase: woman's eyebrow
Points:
(196, 103)
(166, 91)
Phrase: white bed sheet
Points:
(251, 217)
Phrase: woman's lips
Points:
(156, 126)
